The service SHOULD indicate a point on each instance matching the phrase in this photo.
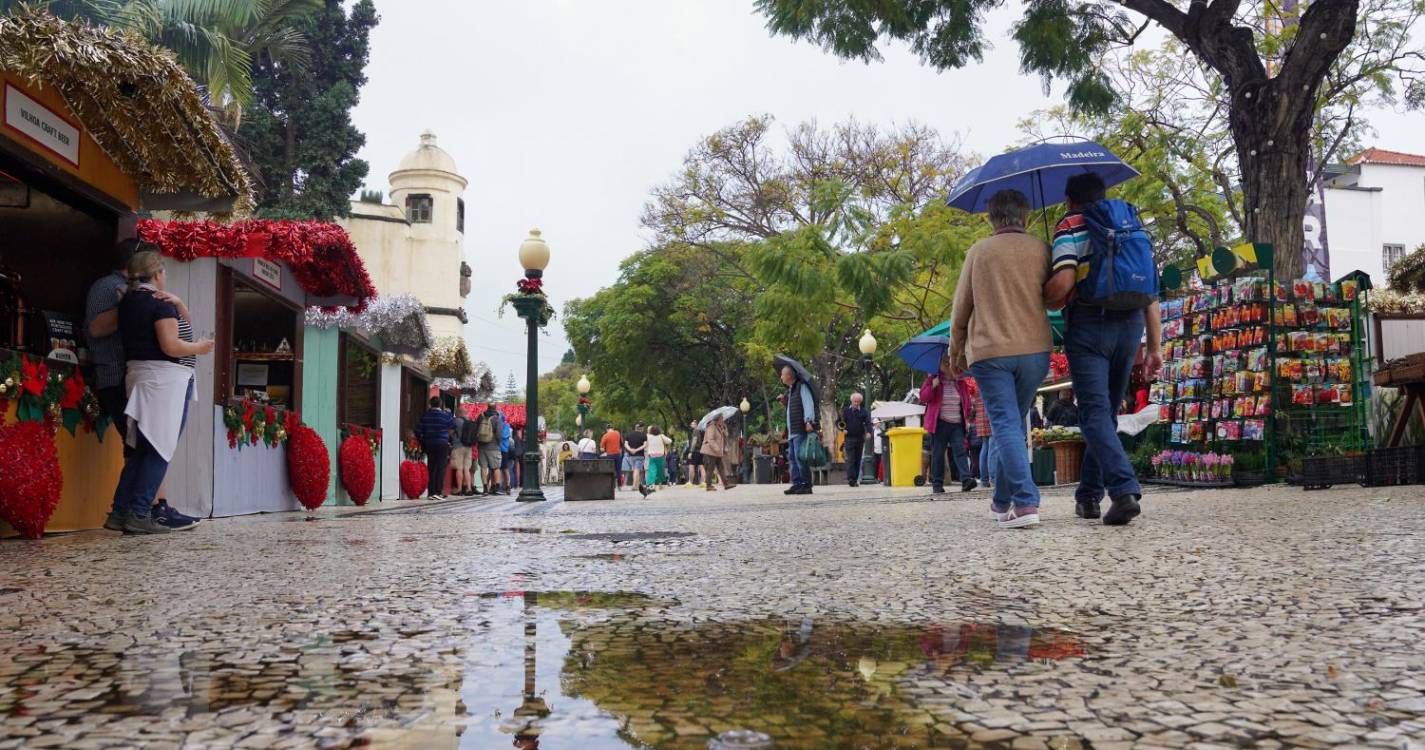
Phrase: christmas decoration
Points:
(308, 466)
(358, 468)
(249, 422)
(450, 359)
(399, 322)
(514, 414)
(134, 100)
(412, 447)
(371, 436)
(30, 479)
(414, 479)
(319, 254)
(42, 394)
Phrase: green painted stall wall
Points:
(321, 350)
(319, 382)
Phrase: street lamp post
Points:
(530, 303)
(746, 460)
(584, 403)
(868, 453)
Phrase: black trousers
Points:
(853, 448)
(437, 459)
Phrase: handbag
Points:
(812, 453)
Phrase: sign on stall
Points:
(42, 125)
(267, 272)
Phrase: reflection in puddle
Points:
(523, 530)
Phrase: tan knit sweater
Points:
(999, 302)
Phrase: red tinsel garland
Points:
(414, 479)
(321, 255)
(308, 466)
(358, 468)
(30, 478)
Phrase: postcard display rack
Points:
(1280, 374)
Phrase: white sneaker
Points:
(1018, 518)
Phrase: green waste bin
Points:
(1042, 468)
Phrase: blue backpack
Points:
(1122, 274)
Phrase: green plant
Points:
(1142, 458)
(1249, 462)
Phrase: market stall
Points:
(79, 156)
(249, 284)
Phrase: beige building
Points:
(415, 244)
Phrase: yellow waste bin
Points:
(906, 445)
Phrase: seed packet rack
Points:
(1254, 366)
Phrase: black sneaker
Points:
(1086, 509)
(143, 525)
(165, 515)
(791, 490)
(115, 521)
(1124, 509)
(938, 489)
(969, 484)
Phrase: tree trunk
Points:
(1273, 149)
(289, 156)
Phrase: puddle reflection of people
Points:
(795, 646)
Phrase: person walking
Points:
(611, 444)
(156, 333)
(695, 457)
(1102, 335)
(656, 450)
(858, 427)
(462, 450)
(801, 422)
(490, 459)
(588, 449)
(634, 457)
(983, 431)
(715, 451)
(434, 430)
(947, 413)
(1000, 331)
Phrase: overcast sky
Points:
(563, 113)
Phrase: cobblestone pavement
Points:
(851, 618)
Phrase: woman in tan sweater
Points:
(1000, 333)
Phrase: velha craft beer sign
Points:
(43, 126)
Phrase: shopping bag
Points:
(813, 454)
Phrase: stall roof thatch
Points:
(134, 100)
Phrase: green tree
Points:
(1277, 63)
(559, 399)
(216, 42)
(830, 234)
(298, 132)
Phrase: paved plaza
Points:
(863, 618)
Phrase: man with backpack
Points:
(1104, 274)
(489, 427)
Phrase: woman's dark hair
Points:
(1086, 188)
(654, 430)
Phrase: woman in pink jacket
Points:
(947, 417)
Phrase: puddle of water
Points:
(562, 669)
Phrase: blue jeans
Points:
(952, 435)
(800, 476)
(1008, 385)
(1101, 345)
(143, 471)
(987, 460)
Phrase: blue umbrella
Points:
(1040, 172)
(924, 352)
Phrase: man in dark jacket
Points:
(858, 426)
(434, 433)
(801, 421)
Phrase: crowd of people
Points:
(483, 452)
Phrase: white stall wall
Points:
(391, 454)
(189, 482)
(252, 479)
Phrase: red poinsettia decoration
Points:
(530, 286)
(1058, 365)
(30, 479)
(34, 376)
(358, 468)
(73, 391)
(414, 479)
(308, 466)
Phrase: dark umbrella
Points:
(782, 360)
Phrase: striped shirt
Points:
(949, 402)
(1072, 246)
(185, 332)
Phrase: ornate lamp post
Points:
(532, 305)
(584, 402)
(746, 460)
(868, 454)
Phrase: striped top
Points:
(1072, 245)
(185, 332)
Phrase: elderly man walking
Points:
(858, 427)
(1000, 330)
(801, 421)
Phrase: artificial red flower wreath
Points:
(358, 468)
(30, 479)
(414, 478)
(308, 466)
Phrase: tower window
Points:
(460, 215)
(419, 209)
(1390, 255)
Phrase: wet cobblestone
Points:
(853, 618)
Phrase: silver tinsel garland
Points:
(398, 321)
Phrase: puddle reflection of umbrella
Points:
(728, 413)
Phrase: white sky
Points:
(562, 114)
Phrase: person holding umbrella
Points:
(1107, 281)
(947, 416)
(1000, 332)
(801, 422)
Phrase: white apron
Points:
(157, 389)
